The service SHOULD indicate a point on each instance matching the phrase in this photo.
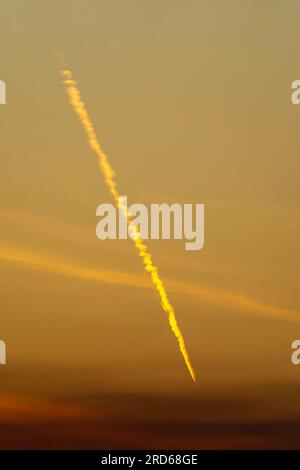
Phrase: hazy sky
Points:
(191, 101)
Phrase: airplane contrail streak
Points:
(79, 107)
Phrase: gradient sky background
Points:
(191, 102)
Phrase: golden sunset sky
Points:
(191, 101)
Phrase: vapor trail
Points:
(109, 176)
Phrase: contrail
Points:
(109, 177)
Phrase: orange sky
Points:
(191, 102)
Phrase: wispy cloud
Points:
(117, 420)
(204, 294)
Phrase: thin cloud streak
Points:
(211, 296)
